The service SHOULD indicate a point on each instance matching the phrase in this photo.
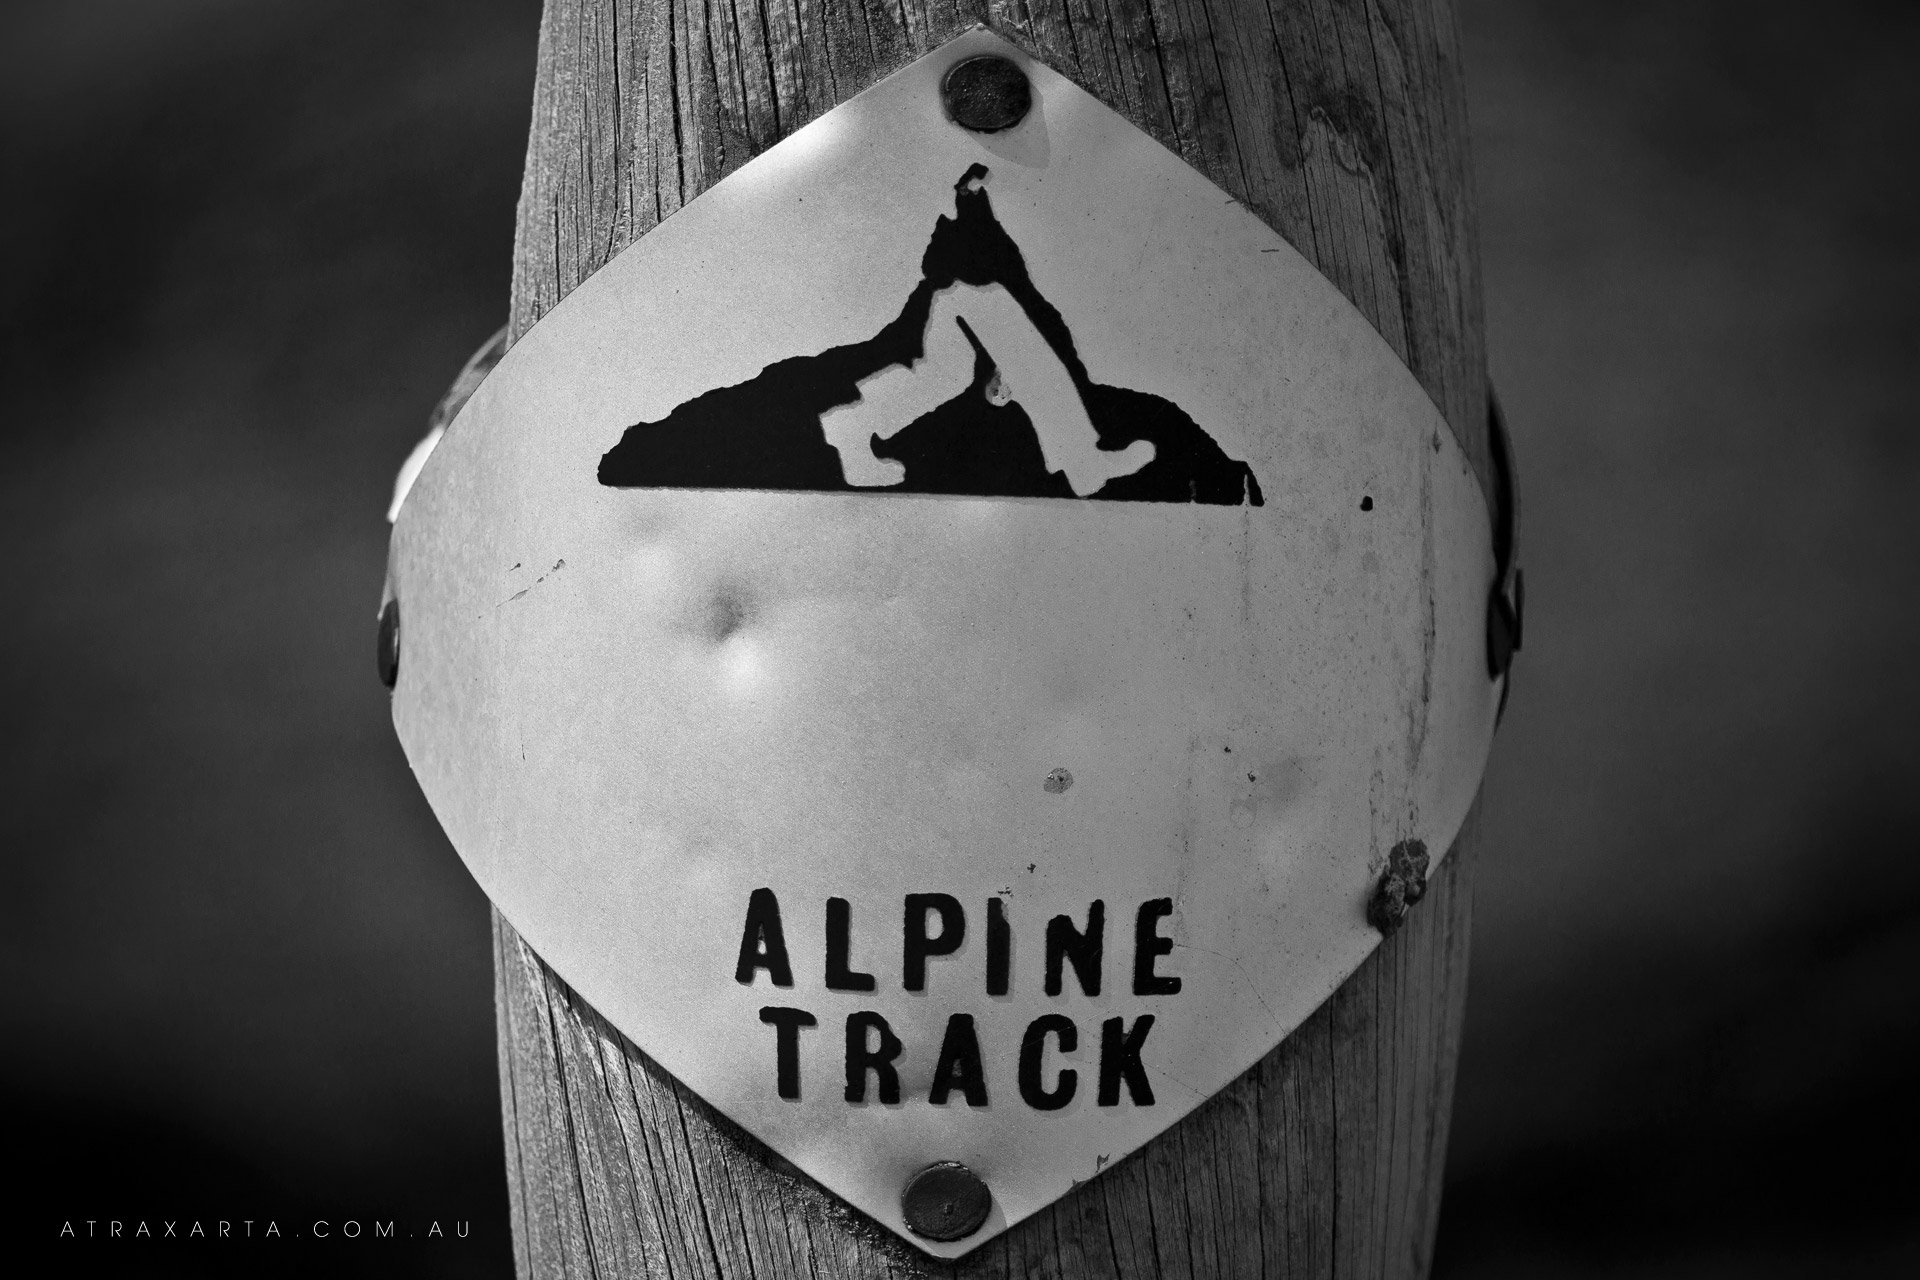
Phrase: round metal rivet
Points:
(945, 1201)
(388, 645)
(987, 94)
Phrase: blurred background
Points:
(248, 244)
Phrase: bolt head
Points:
(987, 94)
(945, 1201)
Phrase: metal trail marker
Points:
(939, 641)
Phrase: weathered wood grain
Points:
(1339, 122)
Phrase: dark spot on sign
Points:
(726, 613)
(1057, 781)
(1366, 502)
(1402, 884)
(1030, 867)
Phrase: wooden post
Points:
(1342, 124)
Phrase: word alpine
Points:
(934, 925)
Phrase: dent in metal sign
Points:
(937, 641)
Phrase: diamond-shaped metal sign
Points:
(937, 641)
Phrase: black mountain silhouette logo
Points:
(961, 423)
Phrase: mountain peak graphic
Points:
(975, 387)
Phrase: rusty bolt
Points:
(1402, 884)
